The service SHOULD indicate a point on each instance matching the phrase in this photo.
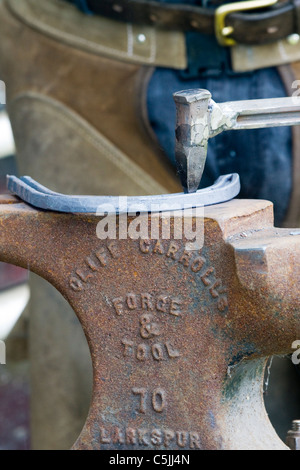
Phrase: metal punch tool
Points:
(199, 119)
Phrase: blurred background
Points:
(14, 297)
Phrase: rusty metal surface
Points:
(10, 275)
(178, 339)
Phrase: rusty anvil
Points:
(179, 338)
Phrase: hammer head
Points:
(192, 134)
(200, 118)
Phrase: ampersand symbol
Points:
(148, 327)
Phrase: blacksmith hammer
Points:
(199, 118)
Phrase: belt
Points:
(278, 20)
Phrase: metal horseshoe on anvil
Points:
(179, 337)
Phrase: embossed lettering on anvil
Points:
(99, 259)
(149, 437)
(158, 399)
(193, 261)
(149, 308)
(143, 352)
(145, 301)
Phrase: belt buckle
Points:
(221, 30)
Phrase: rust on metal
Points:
(178, 338)
(8, 199)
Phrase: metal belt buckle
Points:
(221, 30)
